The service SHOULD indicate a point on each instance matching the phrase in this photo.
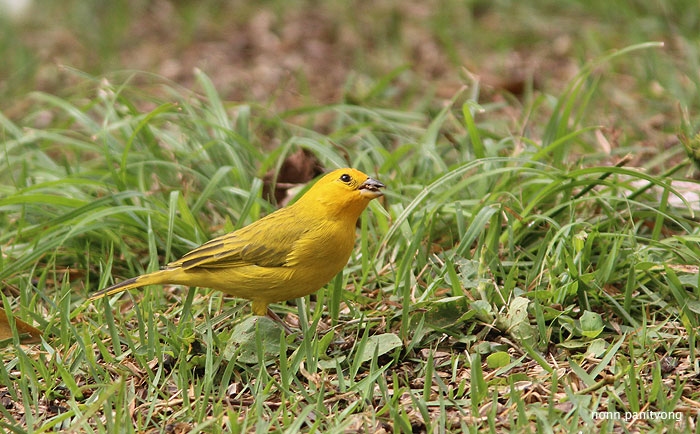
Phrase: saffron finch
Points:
(290, 253)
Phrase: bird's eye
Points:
(345, 177)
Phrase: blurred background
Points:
(286, 54)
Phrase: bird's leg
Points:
(273, 316)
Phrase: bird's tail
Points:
(135, 282)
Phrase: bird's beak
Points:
(370, 188)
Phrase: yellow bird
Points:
(290, 253)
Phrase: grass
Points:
(536, 272)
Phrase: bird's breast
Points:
(324, 250)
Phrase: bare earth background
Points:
(291, 54)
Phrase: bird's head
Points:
(343, 191)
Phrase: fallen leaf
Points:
(27, 333)
(382, 344)
(298, 168)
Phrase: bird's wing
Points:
(266, 243)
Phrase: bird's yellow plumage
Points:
(288, 254)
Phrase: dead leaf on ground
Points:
(298, 168)
(27, 333)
